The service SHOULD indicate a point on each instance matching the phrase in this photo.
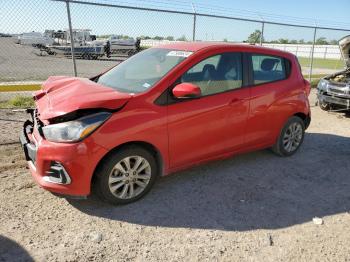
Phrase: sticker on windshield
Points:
(146, 85)
(179, 53)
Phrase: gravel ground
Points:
(251, 207)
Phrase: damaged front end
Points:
(57, 151)
(333, 91)
(57, 136)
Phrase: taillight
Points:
(307, 87)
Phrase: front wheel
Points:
(126, 175)
(291, 137)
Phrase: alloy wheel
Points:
(292, 137)
(129, 177)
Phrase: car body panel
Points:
(206, 126)
(62, 95)
(271, 104)
(79, 159)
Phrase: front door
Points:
(203, 127)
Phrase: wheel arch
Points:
(306, 118)
(146, 145)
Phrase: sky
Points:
(17, 16)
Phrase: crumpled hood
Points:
(61, 95)
(344, 45)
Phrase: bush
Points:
(20, 101)
(314, 83)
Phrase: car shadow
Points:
(11, 251)
(252, 191)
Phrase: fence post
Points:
(194, 23)
(262, 33)
(312, 54)
(71, 38)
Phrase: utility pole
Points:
(71, 38)
(194, 23)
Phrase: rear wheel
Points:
(291, 137)
(126, 175)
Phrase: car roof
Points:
(196, 46)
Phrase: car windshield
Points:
(143, 70)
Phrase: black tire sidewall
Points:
(290, 121)
(103, 172)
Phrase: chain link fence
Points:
(36, 36)
(40, 38)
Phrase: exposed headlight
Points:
(76, 130)
(322, 84)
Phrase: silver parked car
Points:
(333, 91)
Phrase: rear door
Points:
(270, 91)
(204, 127)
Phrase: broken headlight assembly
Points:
(322, 85)
(75, 130)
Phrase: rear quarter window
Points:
(267, 68)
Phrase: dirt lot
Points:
(252, 207)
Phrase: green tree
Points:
(182, 38)
(158, 37)
(170, 38)
(301, 41)
(254, 37)
(333, 42)
(144, 37)
(283, 41)
(321, 41)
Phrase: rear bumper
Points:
(62, 168)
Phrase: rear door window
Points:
(267, 68)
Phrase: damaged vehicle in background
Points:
(333, 91)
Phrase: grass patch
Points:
(18, 102)
(314, 83)
(306, 76)
(19, 78)
(322, 63)
(314, 79)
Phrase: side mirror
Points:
(186, 90)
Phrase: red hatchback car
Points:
(162, 110)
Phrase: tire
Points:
(116, 186)
(324, 106)
(290, 138)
